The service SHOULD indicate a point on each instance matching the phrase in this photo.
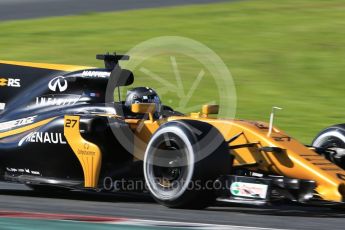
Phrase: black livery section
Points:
(62, 129)
(15, 79)
(33, 148)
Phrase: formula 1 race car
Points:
(60, 130)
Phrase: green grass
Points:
(284, 53)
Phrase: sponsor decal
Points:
(94, 94)
(58, 84)
(95, 74)
(2, 106)
(44, 138)
(11, 169)
(10, 82)
(35, 172)
(16, 123)
(85, 150)
(50, 101)
(249, 190)
(25, 170)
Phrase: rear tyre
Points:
(182, 163)
(333, 139)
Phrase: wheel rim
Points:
(169, 176)
(335, 141)
(332, 139)
(168, 181)
(332, 142)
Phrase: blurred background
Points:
(280, 53)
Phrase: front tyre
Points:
(332, 140)
(182, 163)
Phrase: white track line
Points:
(172, 224)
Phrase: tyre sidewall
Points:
(206, 167)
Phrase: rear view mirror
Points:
(210, 109)
(124, 77)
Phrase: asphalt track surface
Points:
(23, 9)
(14, 197)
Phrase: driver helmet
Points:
(143, 95)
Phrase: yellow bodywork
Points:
(89, 154)
(46, 65)
(295, 160)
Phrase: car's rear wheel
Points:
(182, 163)
(332, 140)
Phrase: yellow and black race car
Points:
(59, 129)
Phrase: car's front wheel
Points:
(331, 142)
(182, 163)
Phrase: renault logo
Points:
(58, 83)
(3, 82)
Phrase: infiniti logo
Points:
(59, 83)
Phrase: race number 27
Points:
(70, 123)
